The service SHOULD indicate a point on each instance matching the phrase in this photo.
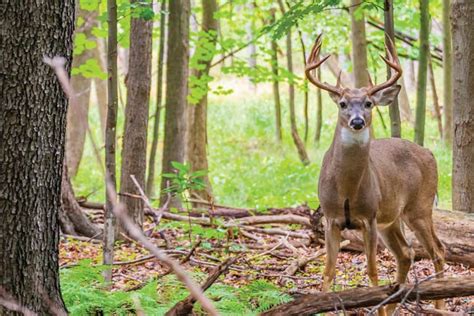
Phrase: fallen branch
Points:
(364, 297)
(270, 219)
(186, 306)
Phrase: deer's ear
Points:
(387, 95)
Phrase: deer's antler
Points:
(393, 63)
(313, 63)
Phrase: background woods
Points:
(194, 121)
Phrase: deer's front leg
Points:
(332, 243)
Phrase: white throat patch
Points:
(350, 137)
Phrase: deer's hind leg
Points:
(424, 231)
(394, 239)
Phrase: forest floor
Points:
(254, 283)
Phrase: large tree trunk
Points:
(176, 89)
(136, 115)
(462, 15)
(422, 72)
(275, 83)
(32, 139)
(447, 76)
(394, 111)
(197, 137)
(359, 46)
(150, 182)
(77, 117)
(110, 222)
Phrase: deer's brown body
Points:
(375, 185)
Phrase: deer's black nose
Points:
(357, 123)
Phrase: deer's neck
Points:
(350, 159)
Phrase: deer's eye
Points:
(368, 105)
(343, 104)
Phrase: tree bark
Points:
(150, 184)
(422, 72)
(136, 114)
(275, 83)
(72, 219)
(77, 117)
(434, 93)
(394, 111)
(197, 137)
(447, 76)
(462, 16)
(32, 139)
(359, 46)
(110, 222)
(312, 304)
(101, 85)
(176, 90)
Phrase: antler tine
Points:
(314, 62)
(393, 63)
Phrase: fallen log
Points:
(185, 307)
(455, 229)
(371, 296)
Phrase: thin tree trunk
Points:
(411, 76)
(404, 102)
(333, 65)
(136, 114)
(394, 111)
(176, 90)
(110, 138)
(306, 88)
(319, 110)
(101, 85)
(422, 72)
(32, 140)
(150, 184)
(447, 76)
(275, 83)
(77, 117)
(359, 46)
(197, 137)
(291, 86)
(462, 19)
(436, 106)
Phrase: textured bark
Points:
(176, 89)
(462, 15)
(110, 138)
(150, 183)
(422, 72)
(312, 304)
(447, 76)
(434, 93)
(394, 111)
(276, 84)
(197, 137)
(77, 123)
(32, 139)
(359, 46)
(73, 220)
(136, 114)
(319, 110)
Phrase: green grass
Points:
(248, 167)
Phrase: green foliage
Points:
(82, 43)
(184, 180)
(90, 69)
(84, 294)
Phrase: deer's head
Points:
(355, 105)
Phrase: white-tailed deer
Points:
(373, 185)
